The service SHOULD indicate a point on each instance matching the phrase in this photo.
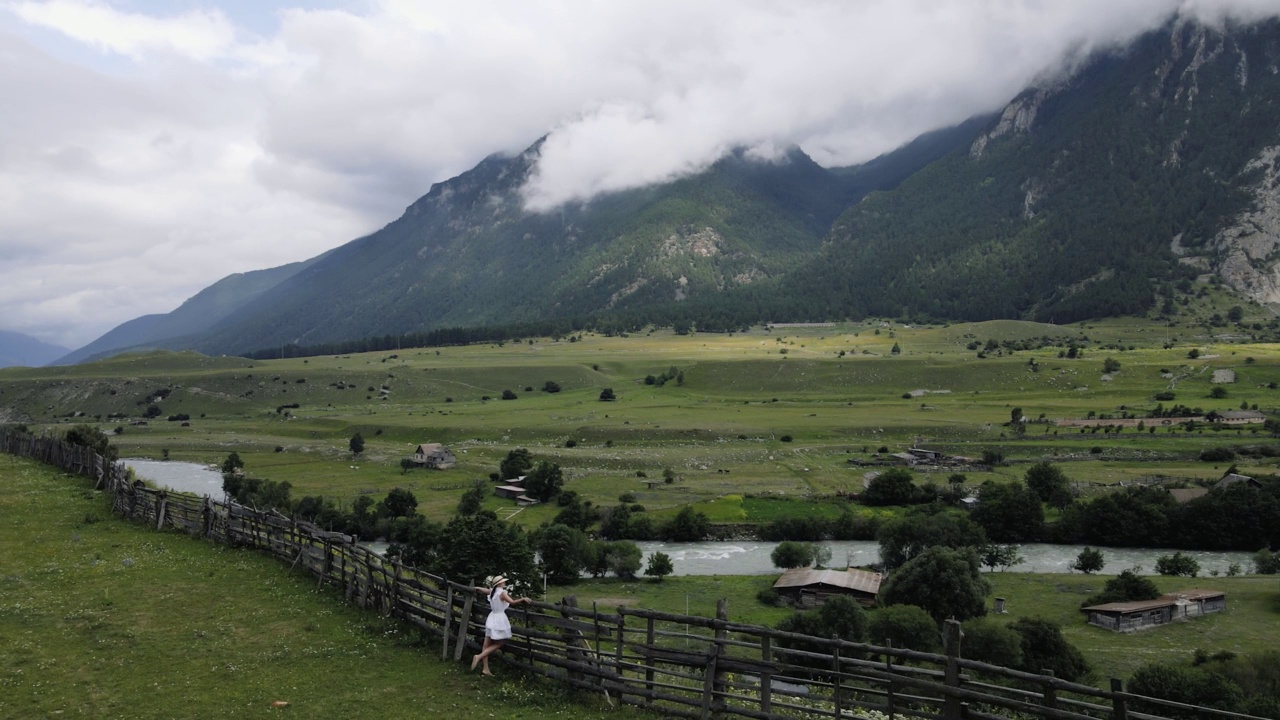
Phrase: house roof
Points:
(425, 448)
(1242, 415)
(1185, 494)
(1162, 601)
(1233, 478)
(851, 579)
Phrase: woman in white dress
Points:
(497, 628)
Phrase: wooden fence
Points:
(675, 665)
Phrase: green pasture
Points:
(749, 420)
(101, 618)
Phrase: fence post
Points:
(888, 668)
(650, 636)
(617, 655)
(448, 618)
(718, 685)
(951, 708)
(837, 687)
(464, 623)
(1119, 707)
(1050, 699)
(766, 677)
(709, 681)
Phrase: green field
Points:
(749, 421)
(103, 618)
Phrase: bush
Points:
(1044, 648)
(1177, 564)
(990, 641)
(905, 626)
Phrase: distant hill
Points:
(198, 314)
(1099, 194)
(19, 349)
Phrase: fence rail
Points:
(677, 665)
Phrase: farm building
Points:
(514, 490)
(1143, 614)
(809, 587)
(1233, 478)
(1241, 417)
(434, 455)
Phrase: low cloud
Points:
(145, 155)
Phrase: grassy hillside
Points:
(101, 618)
(837, 392)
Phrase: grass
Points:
(720, 432)
(102, 618)
(1247, 626)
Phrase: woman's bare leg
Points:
(496, 647)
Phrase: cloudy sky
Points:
(149, 148)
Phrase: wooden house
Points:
(513, 489)
(809, 587)
(434, 455)
(1143, 614)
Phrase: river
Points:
(752, 558)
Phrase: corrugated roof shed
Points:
(851, 579)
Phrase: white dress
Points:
(497, 626)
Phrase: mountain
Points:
(198, 314)
(467, 254)
(19, 349)
(1091, 195)
(1105, 191)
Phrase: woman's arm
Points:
(513, 601)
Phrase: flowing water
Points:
(752, 558)
(181, 476)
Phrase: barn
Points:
(1143, 614)
(809, 587)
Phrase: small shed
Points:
(810, 587)
(1233, 478)
(434, 455)
(1144, 614)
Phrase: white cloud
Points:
(199, 34)
(146, 153)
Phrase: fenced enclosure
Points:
(675, 665)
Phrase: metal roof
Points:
(1162, 601)
(851, 579)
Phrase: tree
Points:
(551, 386)
(905, 626)
(1128, 586)
(607, 395)
(1088, 561)
(91, 437)
(472, 500)
(1187, 685)
(1177, 564)
(1009, 512)
(562, 553)
(232, 464)
(356, 444)
(577, 513)
(840, 615)
(1049, 483)
(793, 554)
(508, 395)
(516, 463)
(1266, 562)
(623, 558)
(659, 566)
(688, 525)
(903, 538)
(990, 641)
(544, 481)
(398, 503)
(891, 487)
(995, 555)
(1110, 365)
(946, 583)
(480, 545)
(1218, 392)
(1044, 648)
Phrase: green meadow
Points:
(98, 613)
(104, 618)
(767, 413)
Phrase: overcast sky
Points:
(149, 148)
